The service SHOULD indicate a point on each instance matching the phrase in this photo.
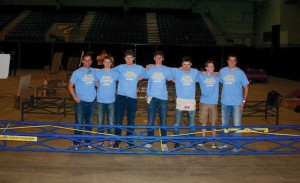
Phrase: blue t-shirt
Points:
(128, 79)
(157, 81)
(84, 81)
(233, 81)
(185, 82)
(107, 87)
(209, 85)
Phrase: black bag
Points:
(273, 97)
(297, 108)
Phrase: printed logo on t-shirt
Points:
(130, 75)
(229, 79)
(88, 78)
(157, 77)
(106, 80)
(209, 82)
(186, 80)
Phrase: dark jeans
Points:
(129, 105)
(109, 110)
(162, 107)
(84, 111)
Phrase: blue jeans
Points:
(84, 112)
(109, 110)
(129, 105)
(162, 107)
(178, 119)
(236, 113)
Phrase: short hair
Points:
(186, 59)
(87, 55)
(159, 53)
(232, 55)
(210, 61)
(108, 57)
(129, 52)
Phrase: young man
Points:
(157, 94)
(208, 108)
(84, 95)
(129, 75)
(185, 83)
(234, 94)
(106, 94)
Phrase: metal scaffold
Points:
(59, 137)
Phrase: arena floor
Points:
(24, 166)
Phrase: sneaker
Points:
(193, 147)
(213, 145)
(110, 145)
(176, 145)
(100, 144)
(89, 146)
(116, 145)
(76, 146)
(222, 146)
(201, 144)
(236, 150)
(164, 147)
(148, 146)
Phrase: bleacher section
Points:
(37, 23)
(110, 25)
(7, 16)
(118, 26)
(183, 28)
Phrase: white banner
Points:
(4, 65)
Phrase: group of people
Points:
(87, 84)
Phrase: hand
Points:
(148, 66)
(242, 106)
(77, 100)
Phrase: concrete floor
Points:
(22, 166)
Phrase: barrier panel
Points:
(59, 137)
(65, 106)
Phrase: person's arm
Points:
(148, 66)
(72, 92)
(245, 95)
(144, 73)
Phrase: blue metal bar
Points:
(59, 137)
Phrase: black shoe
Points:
(76, 146)
(176, 145)
(117, 145)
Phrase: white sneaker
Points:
(222, 146)
(201, 144)
(164, 147)
(214, 145)
(148, 146)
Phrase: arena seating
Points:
(183, 28)
(37, 23)
(118, 26)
